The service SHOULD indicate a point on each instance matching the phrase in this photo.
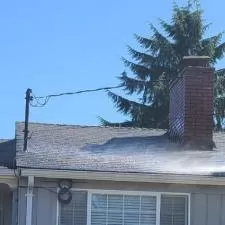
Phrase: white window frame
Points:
(158, 195)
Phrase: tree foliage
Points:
(152, 69)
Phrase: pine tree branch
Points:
(133, 85)
(142, 72)
(168, 28)
(206, 27)
(153, 71)
(220, 82)
(160, 43)
(209, 46)
(126, 106)
(143, 41)
(142, 115)
(214, 40)
(220, 72)
(219, 51)
(142, 58)
(105, 122)
(163, 49)
(220, 106)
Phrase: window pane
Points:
(123, 210)
(173, 210)
(99, 209)
(148, 210)
(74, 213)
(115, 210)
(131, 210)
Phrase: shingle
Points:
(86, 148)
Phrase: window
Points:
(74, 213)
(116, 208)
(123, 210)
(173, 210)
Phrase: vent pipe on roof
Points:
(26, 122)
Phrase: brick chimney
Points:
(191, 103)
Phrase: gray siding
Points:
(14, 206)
(198, 209)
(214, 211)
(22, 206)
(44, 206)
(207, 202)
(208, 209)
(5, 205)
(223, 210)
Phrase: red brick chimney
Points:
(191, 103)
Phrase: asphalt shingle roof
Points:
(7, 153)
(136, 150)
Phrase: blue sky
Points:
(59, 46)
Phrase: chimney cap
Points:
(202, 61)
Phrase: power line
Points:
(79, 92)
(43, 100)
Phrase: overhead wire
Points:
(46, 98)
(43, 100)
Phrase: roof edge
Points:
(127, 177)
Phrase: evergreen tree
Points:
(157, 65)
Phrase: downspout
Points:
(29, 196)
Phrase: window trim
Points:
(129, 192)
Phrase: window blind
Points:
(173, 210)
(74, 213)
(123, 210)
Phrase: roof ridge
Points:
(90, 126)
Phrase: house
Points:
(74, 175)
(8, 181)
